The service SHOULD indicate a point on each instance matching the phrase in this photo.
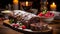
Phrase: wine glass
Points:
(26, 5)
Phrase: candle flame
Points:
(15, 1)
(26, 3)
(53, 3)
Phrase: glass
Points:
(26, 5)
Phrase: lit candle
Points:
(26, 3)
(53, 6)
(15, 4)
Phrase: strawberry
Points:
(48, 12)
(47, 15)
(40, 14)
(52, 14)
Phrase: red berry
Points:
(23, 27)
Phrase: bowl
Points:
(48, 20)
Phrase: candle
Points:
(53, 6)
(15, 4)
(26, 3)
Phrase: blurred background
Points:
(35, 4)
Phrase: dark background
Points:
(36, 3)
